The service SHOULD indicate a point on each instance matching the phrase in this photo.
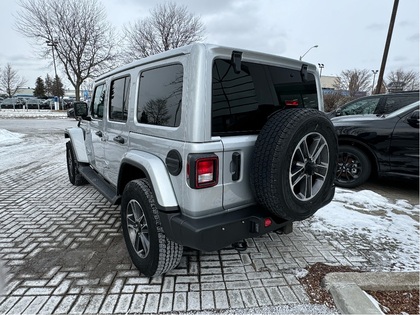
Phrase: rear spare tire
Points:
(294, 163)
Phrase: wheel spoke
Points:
(318, 150)
(308, 188)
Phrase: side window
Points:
(98, 102)
(118, 103)
(361, 107)
(160, 96)
(396, 102)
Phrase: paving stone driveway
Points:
(65, 253)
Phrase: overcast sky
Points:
(349, 33)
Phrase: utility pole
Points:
(387, 44)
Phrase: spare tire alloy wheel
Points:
(294, 163)
(309, 166)
(149, 248)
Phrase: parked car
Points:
(33, 103)
(381, 144)
(376, 104)
(11, 103)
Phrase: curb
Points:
(347, 288)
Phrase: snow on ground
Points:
(368, 216)
(9, 138)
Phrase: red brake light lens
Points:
(292, 102)
(205, 171)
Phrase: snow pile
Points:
(10, 138)
(369, 218)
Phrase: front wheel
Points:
(72, 167)
(149, 248)
(353, 167)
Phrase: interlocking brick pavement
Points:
(64, 251)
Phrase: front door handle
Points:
(119, 139)
(99, 133)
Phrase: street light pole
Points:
(53, 43)
(374, 75)
(300, 58)
(321, 66)
(386, 49)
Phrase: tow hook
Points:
(240, 246)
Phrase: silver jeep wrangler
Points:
(205, 146)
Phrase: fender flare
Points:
(156, 171)
(77, 139)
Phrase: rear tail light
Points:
(202, 170)
(294, 102)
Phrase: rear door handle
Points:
(119, 139)
(99, 133)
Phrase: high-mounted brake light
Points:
(202, 170)
(292, 102)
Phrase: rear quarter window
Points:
(393, 103)
(160, 96)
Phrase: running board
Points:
(105, 188)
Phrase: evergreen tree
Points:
(39, 88)
(58, 89)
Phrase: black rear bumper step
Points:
(220, 230)
(105, 188)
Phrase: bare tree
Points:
(169, 26)
(354, 81)
(10, 81)
(402, 80)
(77, 32)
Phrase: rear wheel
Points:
(149, 248)
(353, 167)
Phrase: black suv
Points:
(378, 104)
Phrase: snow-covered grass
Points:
(32, 113)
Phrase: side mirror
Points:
(338, 112)
(413, 119)
(81, 110)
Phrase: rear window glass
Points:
(242, 102)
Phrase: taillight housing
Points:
(202, 170)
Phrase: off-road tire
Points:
(149, 248)
(353, 167)
(290, 183)
(75, 177)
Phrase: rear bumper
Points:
(221, 230)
